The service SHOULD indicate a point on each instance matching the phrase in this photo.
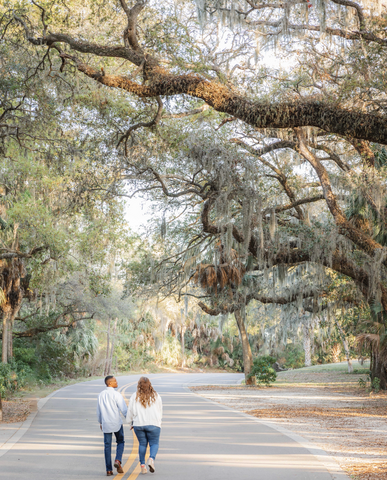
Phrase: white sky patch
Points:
(137, 213)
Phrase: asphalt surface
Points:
(199, 439)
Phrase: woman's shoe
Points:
(143, 469)
(151, 465)
(118, 466)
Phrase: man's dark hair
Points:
(109, 377)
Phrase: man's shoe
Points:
(117, 465)
(151, 465)
(109, 473)
(143, 469)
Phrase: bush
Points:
(294, 356)
(376, 384)
(12, 378)
(263, 371)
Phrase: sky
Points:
(137, 213)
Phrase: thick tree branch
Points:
(333, 155)
(303, 201)
(331, 118)
(245, 300)
(130, 34)
(261, 115)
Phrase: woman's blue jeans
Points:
(147, 434)
(108, 447)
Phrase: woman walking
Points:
(145, 411)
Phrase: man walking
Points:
(110, 404)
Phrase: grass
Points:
(333, 375)
(336, 367)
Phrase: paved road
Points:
(199, 439)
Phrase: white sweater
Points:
(140, 416)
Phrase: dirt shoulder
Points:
(327, 408)
(15, 411)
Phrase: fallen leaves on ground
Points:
(16, 411)
(328, 413)
(377, 471)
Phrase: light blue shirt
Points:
(110, 404)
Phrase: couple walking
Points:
(143, 413)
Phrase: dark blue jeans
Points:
(107, 438)
(147, 434)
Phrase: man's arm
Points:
(99, 416)
(130, 413)
(121, 404)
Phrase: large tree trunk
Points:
(112, 346)
(106, 369)
(14, 293)
(10, 340)
(247, 355)
(346, 347)
(182, 347)
(378, 369)
(11, 322)
(4, 353)
(307, 344)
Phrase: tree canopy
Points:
(257, 129)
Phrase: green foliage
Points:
(53, 355)
(12, 378)
(362, 383)
(170, 353)
(360, 371)
(294, 356)
(263, 371)
(376, 384)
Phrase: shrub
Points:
(12, 378)
(362, 383)
(376, 384)
(263, 371)
(294, 356)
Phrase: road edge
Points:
(26, 424)
(329, 461)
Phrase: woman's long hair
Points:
(146, 395)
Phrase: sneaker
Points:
(109, 473)
(144, 469)
(151, 465)
(117, 465)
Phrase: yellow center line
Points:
(133, 453)
(135, 472)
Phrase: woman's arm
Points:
(130, 414)
(160, 407)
